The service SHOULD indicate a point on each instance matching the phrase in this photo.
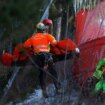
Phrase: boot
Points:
(45, 94)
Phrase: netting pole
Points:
(59, 22)
(74, 6)
(16, 70)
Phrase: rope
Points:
(65, 76)
(10, 82)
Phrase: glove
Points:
(77, 52)
(77, 55)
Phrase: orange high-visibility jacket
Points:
(40, 42)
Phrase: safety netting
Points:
(90, 37)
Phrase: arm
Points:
(27, 43)
(97, 74)
(52, 40)
(100, 63)
(20, 49)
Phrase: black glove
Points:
(77, 55)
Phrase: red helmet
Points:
(47, 22)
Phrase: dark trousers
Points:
(42, 60)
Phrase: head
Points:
(40, 27)
(48, 23)
(102, 67)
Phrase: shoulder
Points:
(49, 35)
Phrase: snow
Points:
(36, 98)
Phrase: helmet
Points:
(102, 67)
(47, 22)
(41, 26)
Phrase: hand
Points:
(77, 55)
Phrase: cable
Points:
(9, 84)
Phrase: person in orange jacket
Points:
(40, 42)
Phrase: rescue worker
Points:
(100, 63)
(98, 77)
(100, 84)
(40, 42)
(98, 73)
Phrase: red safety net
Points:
(90, 37)
(80, 21)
